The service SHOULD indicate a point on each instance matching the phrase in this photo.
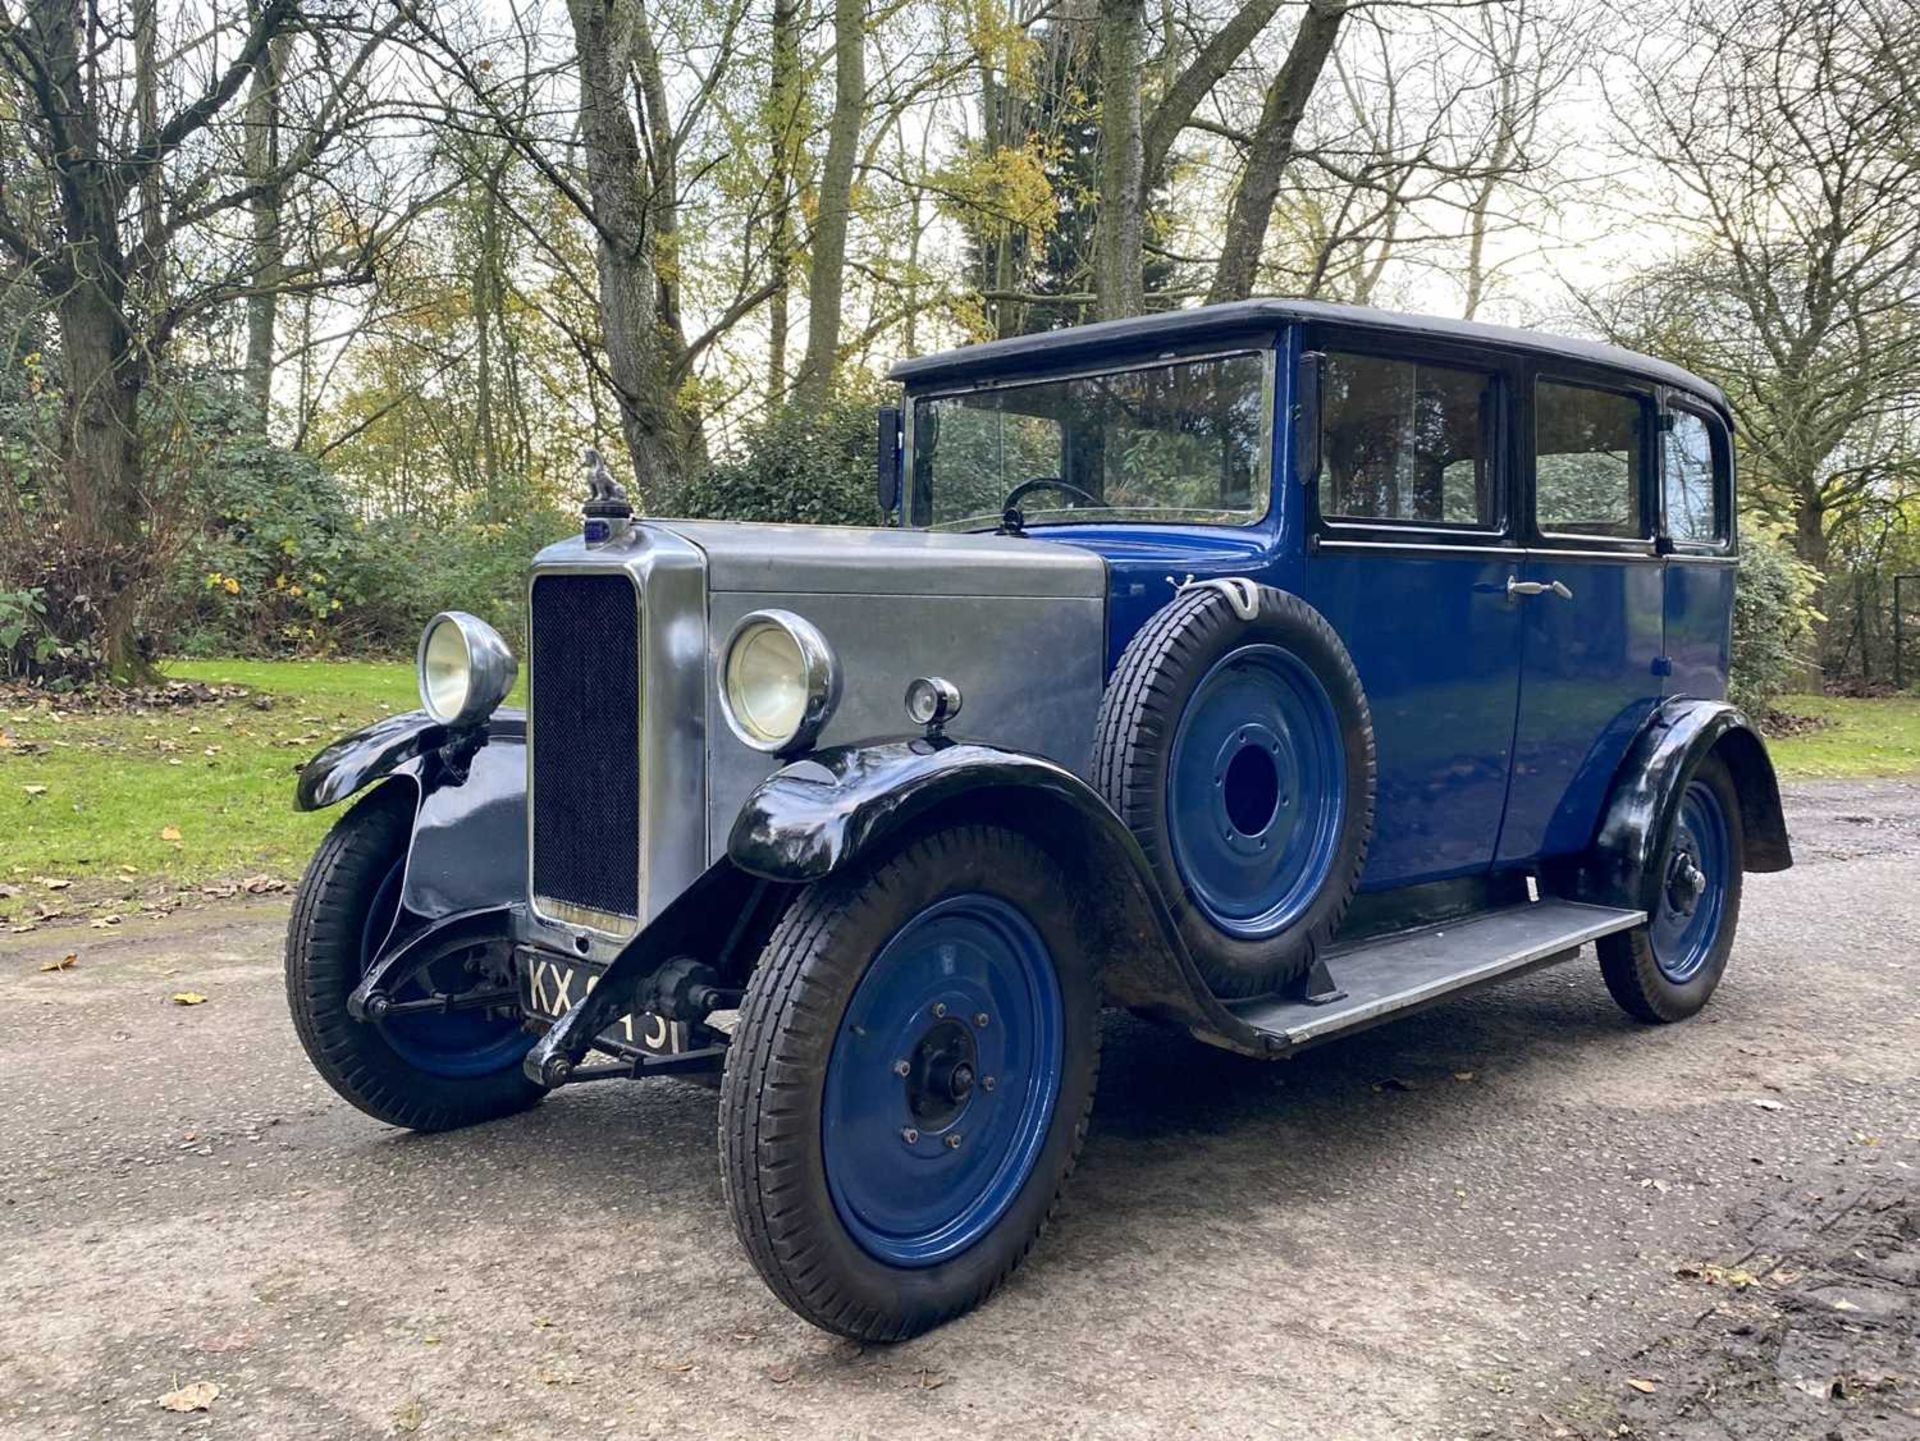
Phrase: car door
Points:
(1696, 487)
(1590, 600)
(1410, 543)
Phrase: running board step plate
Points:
(1391, 975)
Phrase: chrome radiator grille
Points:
(584, 705)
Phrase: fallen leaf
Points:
(1844, 1305)
(169, 833)
(53, 884)
(409, 1415)
(1716, 1275)
(780, 1375)
(931, 1380)
(260, 885)
(1645, 1387)
(194, 1396)
(64, 963)
(130, 870)
(187, 998)
(34, 790)
(1463, 1075)
(1767, 1105)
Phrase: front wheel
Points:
(425, 1072)
(1667, 969)
(909, 1083)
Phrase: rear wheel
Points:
(909, 1083)
(1667, 969)
(424, 1072)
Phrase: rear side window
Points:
(1690, 468)
(1588, 449)
(1402, 440)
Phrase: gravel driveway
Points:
(1494, 1218)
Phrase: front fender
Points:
(469, 848)
(1623, 867)
(823, 815)
(354, 762)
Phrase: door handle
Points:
(1517, 587)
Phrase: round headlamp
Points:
(465, 669)
(779, 681)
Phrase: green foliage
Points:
(29, 646)
(402, 571)
(814, 469)
(1773, 616)
(262, 573)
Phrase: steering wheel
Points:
(1012, 519)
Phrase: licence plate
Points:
(551, 985)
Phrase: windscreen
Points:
(1183, 440)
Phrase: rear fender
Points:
(835, 810)
(1623, 867)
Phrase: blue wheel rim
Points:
(1256, 791)
(1693, 891)
(918, 1174)
(459, 1045)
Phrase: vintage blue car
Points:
(1271, 669)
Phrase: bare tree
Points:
(125, 151)
(1786, 134)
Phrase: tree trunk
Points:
(262, 159)
(826, 278)
(1810, 543)
(1119, 279)
(785, 96)
(617, 186)
(1272, 149)
(98, 556)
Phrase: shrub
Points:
(1773, 616)
(817, 469)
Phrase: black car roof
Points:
(1237, 319)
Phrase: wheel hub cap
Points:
(940, 1090)
(1256, 791)
(1686, 927)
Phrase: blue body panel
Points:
(1699, 614)
(1437, 646)
(1588, 682)
(1499, 723)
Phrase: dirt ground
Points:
(1516, 1215)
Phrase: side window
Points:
(1588, 449)
(1689, 476)
(1406, 441)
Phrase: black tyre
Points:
(426, 1072)
(909, 1082)
(1240, 755)
(1667, 969)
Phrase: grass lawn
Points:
(136, 806)
(1861, 738)
(126, 804)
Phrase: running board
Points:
(1392, 975)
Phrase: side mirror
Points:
(887, 475)
(1306, 416)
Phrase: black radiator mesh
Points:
(584, 698)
